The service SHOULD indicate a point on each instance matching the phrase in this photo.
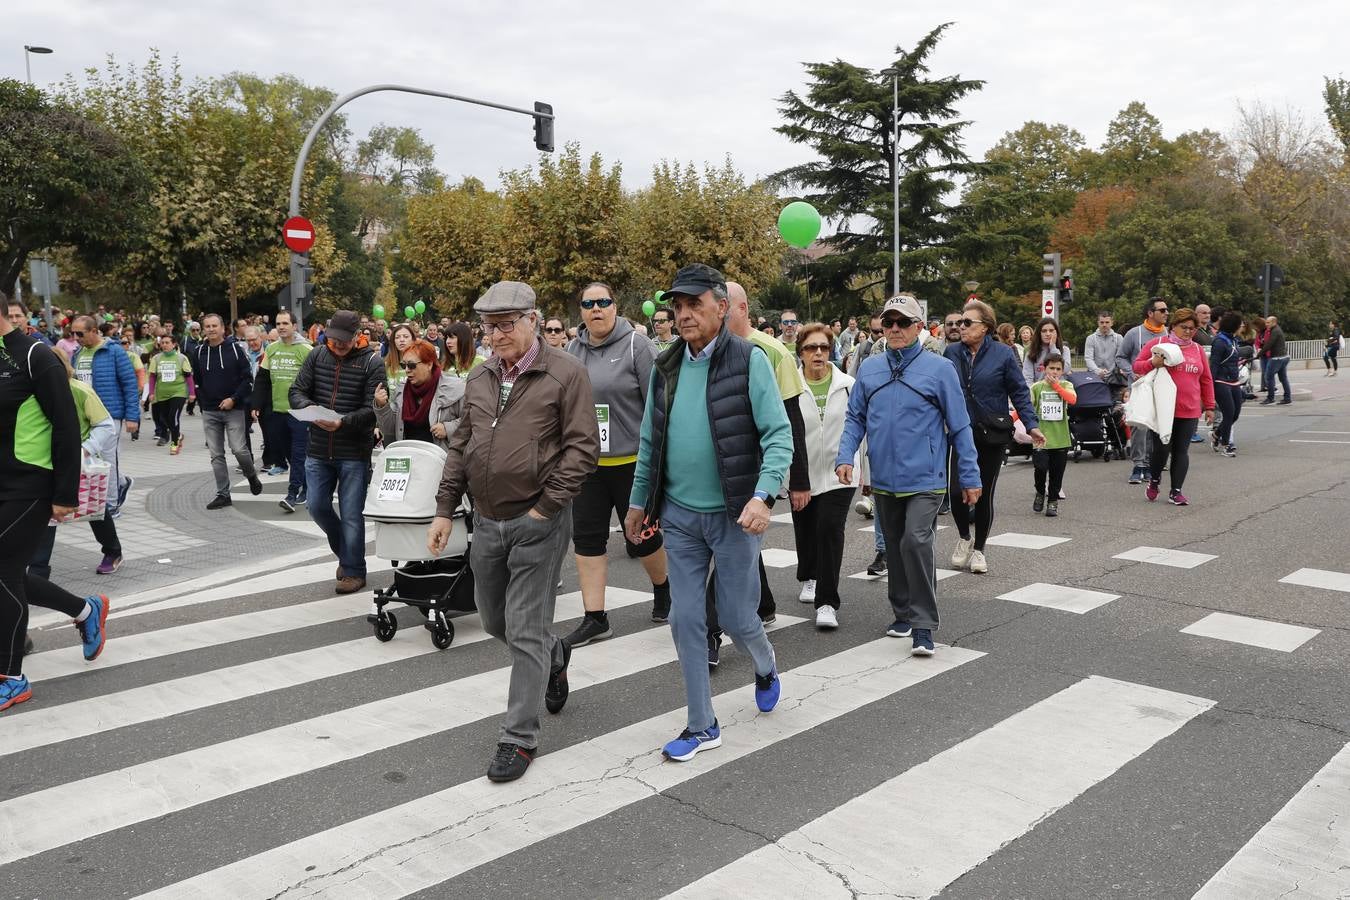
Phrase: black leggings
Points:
(1228, 397)
(991, 463)
(22, 524)
(1053, 463)
(1179, 448)
(168, 413)
(1329, 358)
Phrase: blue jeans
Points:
(693, 541)
(346, 532)
(1277, 368)
(298, 434)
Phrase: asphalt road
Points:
(251, 738)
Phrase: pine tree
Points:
(846, 118)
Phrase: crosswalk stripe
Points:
(43, 820)
(422, 843)
(970, 800)
(82, 718)
(1301, 852)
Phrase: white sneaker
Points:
(977, 564)
(961, 555)
(863, 507)
(826, 617)
(808, 594)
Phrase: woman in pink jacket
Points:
(1195, 396)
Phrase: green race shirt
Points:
(171, 370)
(88, 408)
(1053, 413)
(821, 391)
(84, 365)
(282, 362)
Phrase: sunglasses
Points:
(1158, 309)
(662, 321)
(78, 333)
(953, 323)
(410, 364)
(814, 348)
(554, 330)
(789, 323)
(602, 302)
(970, 323)
(897, 322)
(126, 343)
(878, 331)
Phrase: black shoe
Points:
(714, 651)
(593, 627)
(287, 504)
(510, 762)
(769, 618)
(1286, 401)
(254, 484)
(555, 696)
(221, 501)
(661, 603)
(27, 646)
(1038, 504)
(1052, 509)
(878, 566)
(1268, 401)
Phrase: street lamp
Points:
(895, 177)
(27, 64)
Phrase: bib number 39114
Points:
(394, 481)
(602, 419)
(1052, 408)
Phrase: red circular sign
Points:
(298, 233)
(1049, 307)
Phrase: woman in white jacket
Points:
(819, 526)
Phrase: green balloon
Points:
(648, 308)
(377, 311)
(657, 296)
(420, 307)
(799, 224)
(409, 312)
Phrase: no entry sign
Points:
(298, 233)
(1049, 305)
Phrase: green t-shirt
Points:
(88, 408)
(783, 363)
(1053, 413)
(282, 362)
(83, 364)
(454, 369)
(821, 391)
(171, 370)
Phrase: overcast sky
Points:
(697, 80)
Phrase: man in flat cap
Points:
(715, 446)
(526, 442)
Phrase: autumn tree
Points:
(453, 241)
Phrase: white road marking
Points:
(1162, 556)
(1069, 599)
(775, 558)
(1319, 578)
(981, 794)
(1026, 541)
(1254, 632)
(941, 574)
(1294, 441)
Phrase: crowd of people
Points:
(689, 434)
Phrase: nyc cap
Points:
(505, 297)
(905, 305)
(694, 279)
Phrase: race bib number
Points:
(602, 419)
(394, 481)
(84, 369)
(1052, 408)
(168, 372)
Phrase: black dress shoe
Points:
(510, 762)
(878, 566)
(555, 696)
(220, 502)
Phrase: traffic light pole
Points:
(541, 113)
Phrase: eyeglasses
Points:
(661, 321)
(970, 323)
(602, 302)
(788, 323)
(410, 364)
(554, 330)
(955, 323)
(126, 343)
(897, 322)
(503, 327)
(1158, 309)
(878, 331)
(78, 333)
(814, 348)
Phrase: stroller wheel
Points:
(443, 635)
(386, 627)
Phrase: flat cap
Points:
(504, 297)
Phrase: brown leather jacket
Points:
(535, 452)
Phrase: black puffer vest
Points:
(730, 416)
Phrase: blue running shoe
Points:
(93, 629)
(15, 689)
(898, 629)
(923, 642)
(683, 748)
(767, 689)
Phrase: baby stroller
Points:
(1093, 423)
(401, 503)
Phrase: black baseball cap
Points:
(343, 326)
(694, 279)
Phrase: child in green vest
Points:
(170, 388)
(1051, 397)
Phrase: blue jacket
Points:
(114, 380)
(996, 378)
(911, 410)
(1224, 359)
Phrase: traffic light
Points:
(543, 127)
(1066, 287)
(1050, 270)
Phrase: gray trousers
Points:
(516, 563)
(220, 426)
(1139, 445)
(910, 525)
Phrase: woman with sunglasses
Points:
(555, 333)
(992, 380)
(619, 363)
(818, 527)
(425, 405)
(1195, 397)
(400, 339)
(459, 355)
(1044, 341)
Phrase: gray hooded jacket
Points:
(620, 369)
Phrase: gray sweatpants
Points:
(911, 555)
(1139, 445)
(221, 426)
(515, 570)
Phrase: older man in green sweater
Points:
(715, 445)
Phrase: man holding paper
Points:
(339, 375)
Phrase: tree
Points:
(1135, 151)
(390, 165)
(846, 118)
(453, 242)
(67, 182)
(1336, 95)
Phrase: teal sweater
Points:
(691, 477)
